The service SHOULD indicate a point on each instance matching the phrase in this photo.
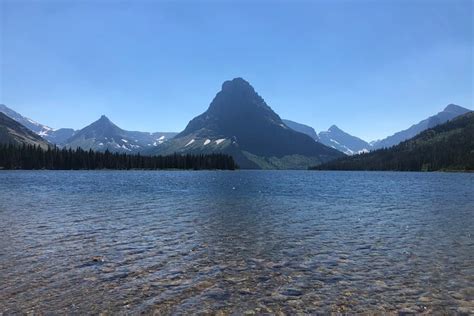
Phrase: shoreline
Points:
(260, 170)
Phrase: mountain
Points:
(53, 136)
(36, 127)
(451, 111)
(59, 136)
(305, 129)
(239, 122)
(64, 136)
(449, 146)
(334, 138)
(104, 135)
(338, 139)
(12, 132)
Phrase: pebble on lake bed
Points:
(98, 259)
(292, 292)
(406, 311)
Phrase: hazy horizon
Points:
(370, 68)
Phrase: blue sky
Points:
(370, 67)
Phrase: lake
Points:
(236, 242)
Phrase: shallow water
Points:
(236, 242)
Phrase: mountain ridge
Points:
(238, 121)
(54, 136)
(448, 113)
(103, 134)
(338, 139)
(61, 136)
(36, 127)
(302, 128)
(448, 146)
(12, 132)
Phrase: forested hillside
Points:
(33, 157)
(449, 146)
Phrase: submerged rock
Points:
(465, 311)
(407, 311)
(98, 259)
(292, 292)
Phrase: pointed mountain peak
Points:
(334, 128)
(103, 122)
(234, 108)
(238, 98)
(237, 84)
(455, 108)
(102, 129)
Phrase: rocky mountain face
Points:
(53, 136)
(450, 112)
(302, 128)
(239, 122)
(338, 139)
(36, 127)
(334, 137)
(104, 135)
(12, 132)
(60, 136)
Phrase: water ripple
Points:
(240, 242)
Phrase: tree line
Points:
(32, 157)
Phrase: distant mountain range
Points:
(100, 135)
(104, 135)
(240, 123)
(338, 139)
(449, 146)
(334, 137)
(12, 132)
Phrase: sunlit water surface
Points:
(236, 242)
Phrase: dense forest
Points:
(33, 157)
(448, 146)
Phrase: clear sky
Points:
(370, 67)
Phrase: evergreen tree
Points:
(34, 158)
